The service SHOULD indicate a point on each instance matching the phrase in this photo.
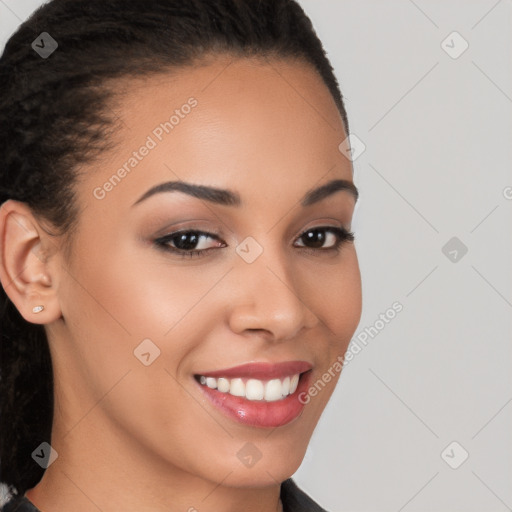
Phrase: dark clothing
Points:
(294, 500)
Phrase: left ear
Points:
(25, 273)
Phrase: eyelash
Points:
(343, 236)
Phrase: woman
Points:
(176, 254)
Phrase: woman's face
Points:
(142, 320)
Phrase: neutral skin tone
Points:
(132, 437)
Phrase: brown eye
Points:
(189, 243)
(315, 238)
(186, 241)
(324, 238)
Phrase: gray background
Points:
(438, 137)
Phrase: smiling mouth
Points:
(253, 389)
(258, 394)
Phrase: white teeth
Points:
(223, 385)
(286, 386)
(237, 387)
(293, 383)
(254, 389)
(273, 390)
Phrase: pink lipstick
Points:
(258, 394)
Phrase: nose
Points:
(267, 298)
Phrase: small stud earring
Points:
(37, 309)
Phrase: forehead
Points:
(236, 122)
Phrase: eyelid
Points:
(217, 235)
(325, 222)
(197, 225)
(342, 235)
(200, 232)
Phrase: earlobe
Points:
(25, 273)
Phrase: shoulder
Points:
(296, 500)
(18, 504)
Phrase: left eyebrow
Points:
(229, 198)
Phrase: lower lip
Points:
(258, 413)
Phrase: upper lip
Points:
(262, 371)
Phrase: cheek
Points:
(335, 295)
(350, 295)
(140, 295)
(112, 303)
